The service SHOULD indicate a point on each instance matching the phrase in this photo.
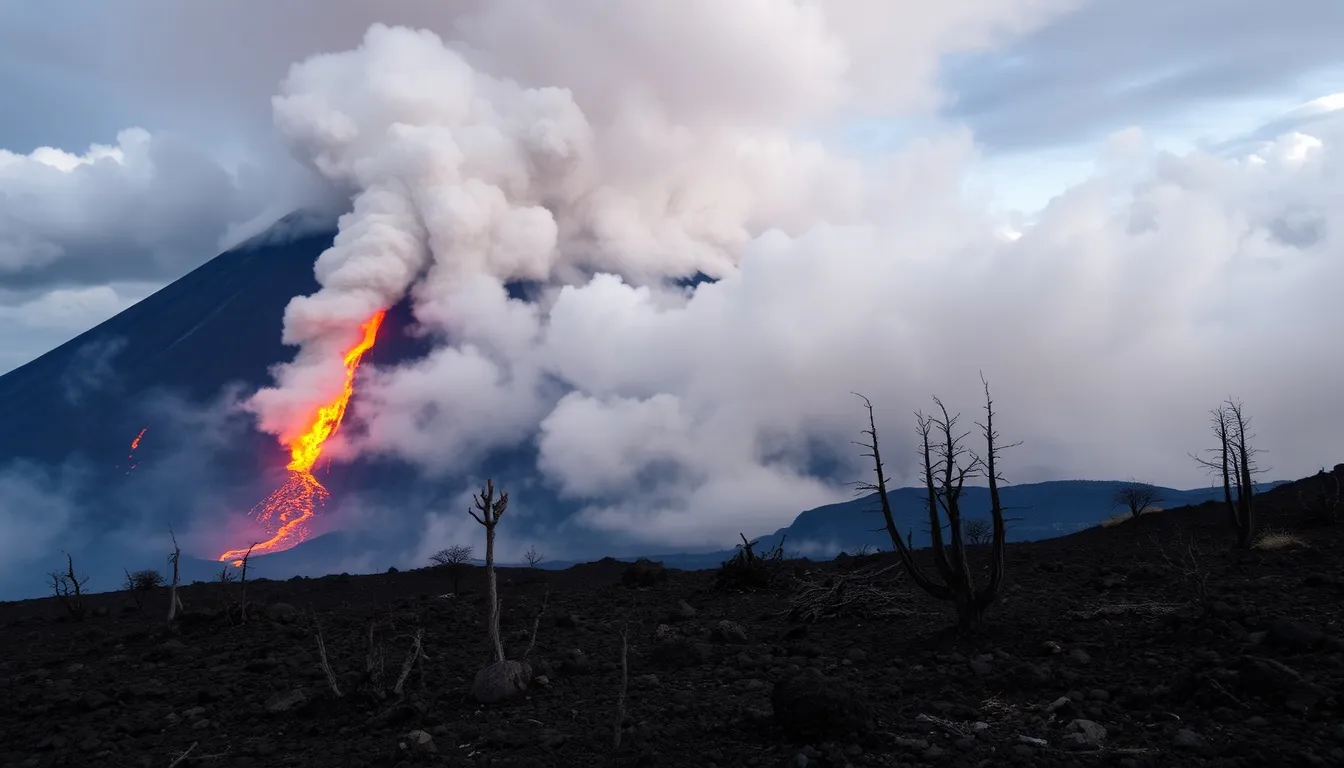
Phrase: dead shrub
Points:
(748, 570)
(1275, 541)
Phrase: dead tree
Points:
(69, 589)
(532, 557)
(1137, 498)
(502, 679)
(455, 560)
(946, 466)
(491, 510)
(978, 531)
(174, 602)
(241, 596)
(1233, 459)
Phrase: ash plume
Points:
(601, 162)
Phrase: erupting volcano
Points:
(287, 510)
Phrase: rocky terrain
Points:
(1161, 647)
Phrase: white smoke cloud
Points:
(1131, 304)
(37, 506)
(141, 209)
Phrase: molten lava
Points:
(286, 512)
(135, 444)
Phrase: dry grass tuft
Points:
(1273, 541)
(1124, 517)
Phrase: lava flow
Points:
(288, 509)
(135, 444)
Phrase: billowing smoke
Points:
(656, 146)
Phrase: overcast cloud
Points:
(549, 140)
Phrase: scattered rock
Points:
(286, 701)
(730, 632)
(417, 743)
(1187, 739)
(1084, 735)
(808, 706)
(501, 681)
(283, 613)
(681, 612)
(1295, 635)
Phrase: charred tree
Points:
(946, 465)
(491, 510)
(502, 679)
(1136, 498)
(1233, 459)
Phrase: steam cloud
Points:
(1115, 318)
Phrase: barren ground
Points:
(1185, 652)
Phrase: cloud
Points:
(682, 416)
(586, 156)
(1148, 61)
(35, 321)
(144, 209)
(37, 506)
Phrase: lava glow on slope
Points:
(286, 512)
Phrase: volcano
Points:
(141, 410)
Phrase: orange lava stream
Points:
(287, 510)
(135, 444)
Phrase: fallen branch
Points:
(183, 756)
(536, 624)
(417, 654)
(625, 684)
(1124, 609)
(857, 593)
(323, 662)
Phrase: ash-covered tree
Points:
(1233, 459)
(454, 559)
(1136, 498)
(946, 465)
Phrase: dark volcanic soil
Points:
(1180, 651)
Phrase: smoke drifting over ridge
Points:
(1107, 327)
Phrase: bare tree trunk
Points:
(946, 465)
(1236, 465)
(491, 510)
(494, 592)
(174, 602)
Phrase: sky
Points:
(1120, 212)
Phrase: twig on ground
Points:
(1123, 609)
(625, 684)
(417, 654)
(322, 655)
(183, 756)
(536, 623)
(946, 725)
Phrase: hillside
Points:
(1108, 646)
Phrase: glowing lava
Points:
(288, 509)
(135, 444)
